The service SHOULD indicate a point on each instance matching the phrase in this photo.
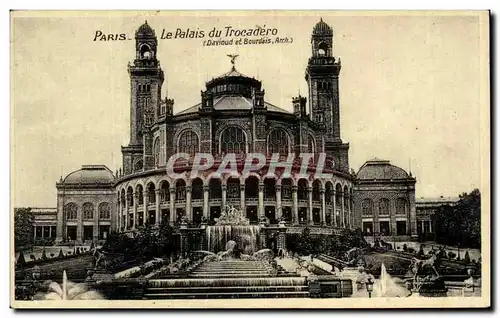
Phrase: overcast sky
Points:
(409, 90)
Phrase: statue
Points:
(231, 216)
(99, 258)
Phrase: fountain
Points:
(232, 225)
(387, 286)
(68, 291)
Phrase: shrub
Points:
(451, 255)
(410, 250)
(52, 255)
(61, 254)
(405, 247)
(69, 253)
(32, 257)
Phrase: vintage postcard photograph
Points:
(250, 159)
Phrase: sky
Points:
(409, 88)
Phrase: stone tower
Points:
(322, 76)
(146, 79)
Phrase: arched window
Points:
(130, 197)
(88, 211)
(367, 207)
(278, 142)
(322, 49)
(328, 192)
(310, 144)
(188, 142)
(233, 188)
(104, 210)
(151, 193)
(138, 165)
(316, 190)
(156, 151)
(302, 189)
(233, 140)
(197, 189)
(140, 194)
(286, 189)
(383, 207)
(145, 51)
(401, 206)
(71, 211)
(215, 188)
(180, 191)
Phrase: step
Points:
(228, 289)
(228, 275)
(228, 281)
(293, 294)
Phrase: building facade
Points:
(384, 200)
(234, 117)
(86, 204)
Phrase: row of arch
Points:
(234, 139)
(384, 206)
(72, 211)
(233, 185)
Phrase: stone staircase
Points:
(228, 279)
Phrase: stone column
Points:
(34, 231)
(61, 219)
(127, 221)
(172, 205)
(323, 206)
(118, 214)
(157, 207)
(224, 192)
(79, 226)
(135, 196)
(342, 214)
(334, 216)
(43, 228)
(279, 211)
(242, 198)
(96, 225)
(205, 200)
(145, 206)
(189, 211)
(310, 205)
(261, 201)
(295, 205)
(50, 231)
(413, 215)
(430, 226)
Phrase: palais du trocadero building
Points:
(233, 116)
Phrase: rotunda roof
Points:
(381, 170)
(90, 174)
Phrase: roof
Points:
(440, 199)
(145, 30)
(90, 174)
(231, 102)
(321, 28)
(379, 169)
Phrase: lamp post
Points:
(369, 287)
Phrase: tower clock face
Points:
(321, 52)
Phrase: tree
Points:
(467, 257)
(460, 224)
(21, 261)
(23, 228)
